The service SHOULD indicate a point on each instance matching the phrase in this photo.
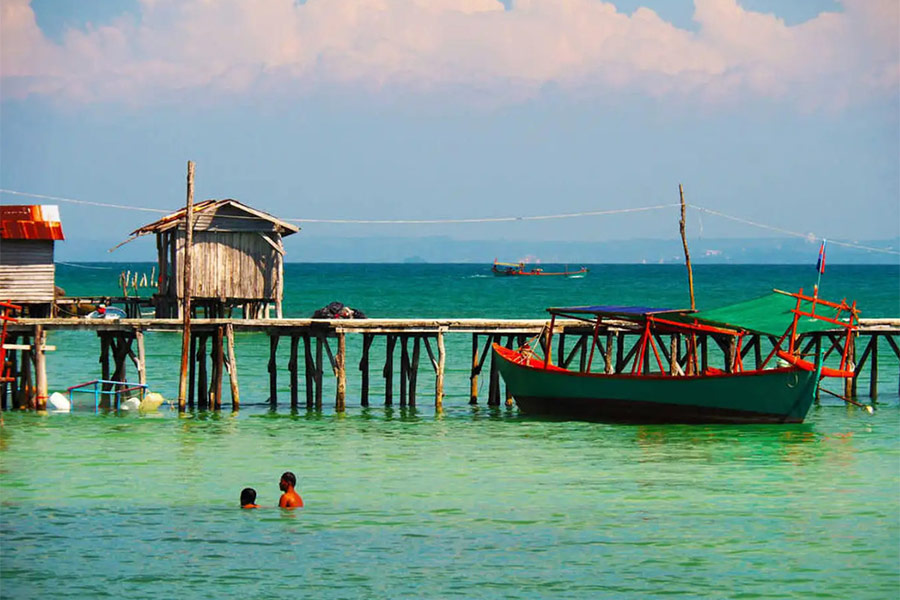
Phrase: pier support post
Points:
(192, 372)
(202, 379)
(439, 374)
(308, 371)
(142, 358)
(232, 368)
(293, 371)
(476, 367)
(320, 342)
(389, 369)
(364, 368)
(218, 367)
(494, 393)
(273, 369)
(873, 368)
(26, 389)
(850, 382)
(414, 370)
(340, 367)
(40, 362)
(404, 368)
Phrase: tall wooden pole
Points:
(186, 293)
(687, 255)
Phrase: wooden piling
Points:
(439, 373)
(364, 368)
(320, 341)
(308, 371)
(293, 371)
(873, 368)
(413, 369)
(232, 370)
(388, 371)
(40, 370)
(142, 358)
(192, 373)
(404, 369)
(202, 378)
(340, 367)
(850, 382)
(476, 368)
(273, 369)
(494, 385)
(219, 366)
(186, 305)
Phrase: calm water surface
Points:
(470, 503)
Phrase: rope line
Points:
(87, 202)
(484, 219)
(592, 213)
(792, 233)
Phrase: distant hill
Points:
(308, 248)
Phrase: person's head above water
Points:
(248, 498)
(287, 479)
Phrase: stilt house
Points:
(27, 271)
(237, 260)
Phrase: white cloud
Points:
(249, 47)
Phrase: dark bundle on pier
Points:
(336, 310)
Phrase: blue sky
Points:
(780, 113)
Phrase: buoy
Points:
(59, 402)
(151, 401)
(130, 404)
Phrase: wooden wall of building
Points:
(232, 265)
(26, 270)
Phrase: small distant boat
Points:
(503, 269)
(694, 392)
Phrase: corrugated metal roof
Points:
(210, 207)
(30, 222)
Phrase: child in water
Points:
(290, 498)
(248, 498)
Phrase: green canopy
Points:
(769, 314)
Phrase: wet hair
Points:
(290, 478)
(248, 496)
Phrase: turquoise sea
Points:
(474, 502)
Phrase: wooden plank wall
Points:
(26, 270)
(232, 265)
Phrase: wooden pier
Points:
(213, 354)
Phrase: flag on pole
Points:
(820, 264)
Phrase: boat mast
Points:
(687, 255)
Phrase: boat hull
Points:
(772, 396)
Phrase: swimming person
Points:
(290, 498)
(248, 498)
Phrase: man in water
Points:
(290, 498)
(248, 498)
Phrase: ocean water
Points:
(473, 502)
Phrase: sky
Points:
(782, 115)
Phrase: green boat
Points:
(686, 391)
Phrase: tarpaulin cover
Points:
(769, 314)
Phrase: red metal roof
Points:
(30, 222)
